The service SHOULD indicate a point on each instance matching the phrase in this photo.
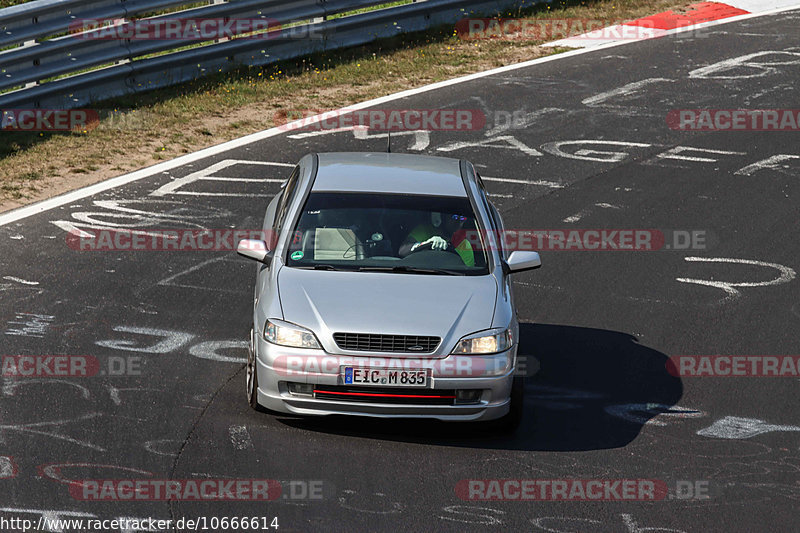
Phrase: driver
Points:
(439, 236)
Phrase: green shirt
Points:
(423, 232)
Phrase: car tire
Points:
(511, 421)
(251, 376)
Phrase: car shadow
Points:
(594, 389)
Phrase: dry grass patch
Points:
(171, 122)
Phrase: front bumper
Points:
(278, 366)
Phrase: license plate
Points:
(386, 377)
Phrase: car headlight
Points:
(485, 342)
(287, 334)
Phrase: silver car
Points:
(382, 290)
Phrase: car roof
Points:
(389, 173)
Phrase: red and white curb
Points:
(669, 21)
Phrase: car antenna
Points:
(388, 142)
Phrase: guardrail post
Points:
(34, 21)
(323, 18)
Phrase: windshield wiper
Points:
(323, 266)
(405, 269)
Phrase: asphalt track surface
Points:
(602, 324)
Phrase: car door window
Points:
(496, 228)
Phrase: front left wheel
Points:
(252, 375)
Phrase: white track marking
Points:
(505, 142)
(554, 148)
(786, 275)
(385, 507)
(30, 325)
(10, 386)
(626, 90)
(653, 414)
(755, 63)
(771, 163)
(734, 427)
(134, 218)
(470, 514)
(583, 212)
(53, 471)
(633, 527)
(113, 392)
(40, 207)
(548, 523)
(209, 349)
(242, 180)
(676, 153)
(30, 428)
(153, 446)
(540, 183)
(544, 523)
(526, 121)
(317, 133)
(206, 174)
(422, 138)
(170, 281)
(240, 438)
(576, 217)
(7, 467)
(19, 280)
(755, 6)
(171, 340)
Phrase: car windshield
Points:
(407, 234)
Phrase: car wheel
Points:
(252, 376)
(511, 421)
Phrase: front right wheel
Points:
(511, 420)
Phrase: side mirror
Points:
(520, 261)
(254, 249)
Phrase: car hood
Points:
(387, 303)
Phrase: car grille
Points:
(406, 396)
(368, 342)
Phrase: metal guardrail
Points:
(43, 18)
(123, 66)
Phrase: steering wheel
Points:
(429, 248)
